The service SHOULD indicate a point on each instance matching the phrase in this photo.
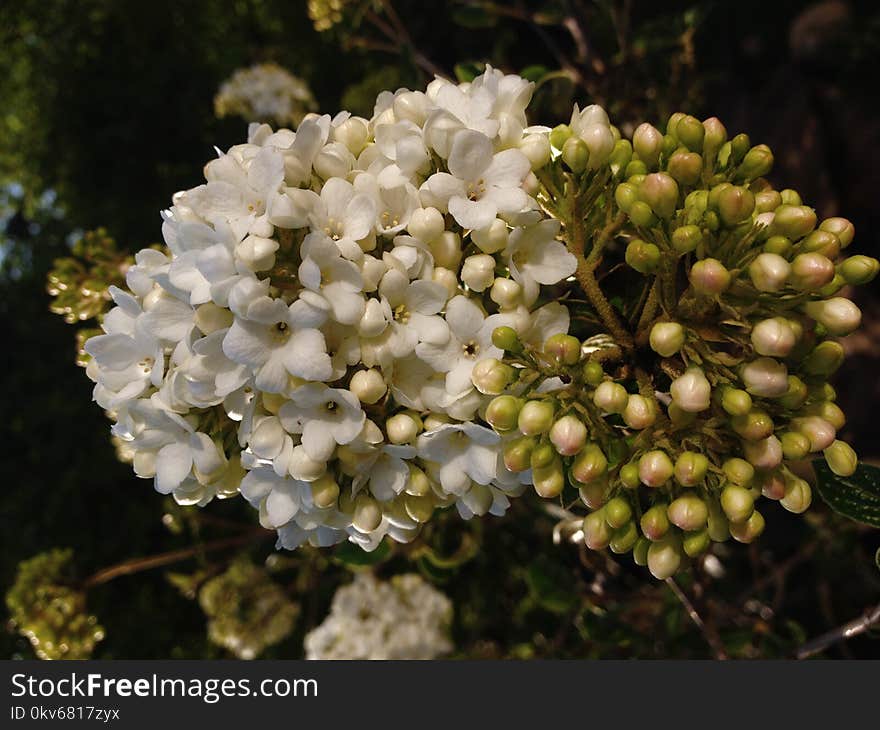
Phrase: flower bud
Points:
(593, 373)
(446, 278)
(790, 197)
(367, 513)
(824, 359)
(827, 411)
(353, 133)
(446, 250)
(426, 224)
(765, 377)
(709, 276)
(769, 272)
(624, 538)
(368, 385)
(325, 491)
(857, 270)
(818, 430)
(774, 337)
(625, 195)
(795, 394)
(691, 468)
(655, 468)
(664, 558)
(840, 227)
(502, 413)
(644, 257)
(589, 465)
(620, 157)
(667, 338)
(491, 376)
(559, 135)
(797, 496)
(795, 445)
(821, 242)
(735, 205)
(719, 525)
(611, 397)
(600, 142)
(536, 148)
(696, 543)
(257, 253)
(617, 512)
(576, 154)
(506, 293)
(678, 416)
(736, 402)
(838, 315)
(757, 163)
(737, 502)
(685, 167)
(334, 160)
(686, 238)
(478, 272)
(629, 475)
(639, 412)
(655, 522)
(506, 338)
(738, 471)
(688, 512)
(794, 221)
(493, 238)
(841, 458)
(767, 201)
(210, 318)
(640, 214)
(748, 530)
(779, 245)
(543, 455)
(691, 392)
(420, 509)
(597, 533)
(518, 454)
(715, 136)
(811, 271)
(549, 481)
(647, 143)
(764, 454)
(772, 485)
(690, 132)
(660, 191)
(753, 426)
(402, 428)
(594, 494)
(536, 417)
(564, 349)
(568, 435)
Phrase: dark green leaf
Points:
(353, 557)
(534, 73)
(856, 497)
(550, 586)
(468, 71)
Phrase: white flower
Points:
(344, 216)
(465, 452)
(335, 279)
(324, 416)
(535, 257)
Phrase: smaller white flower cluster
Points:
(404, 618)
(265, 93)
(311, 332)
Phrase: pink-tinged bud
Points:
(491, 376)
(536, 417)
(737, 502)
(568, 435)
(772, 485)
(639, 412)
(840, 227)
(688, 512)
(564, 349)
(735, 205)
(841, 459)
(818, 430)
(794, 221)
(589, 465)
(749, 530)
(838, 315)
(774, 337)
(655, 522)
(660, 191)
(664, 557)
(715, 136)
(549, 481)
(764, 454)
(691, 468)
(821, 242)
(594, 494)
(667, 338)
(769, 272)
(797, 496)
(765, 377)
(611, 397)
(685, 167)
(691, 392)
(647, 143)
(828, 411)
(655, 468)
(811, 271)
(709, 277)
(597, 533)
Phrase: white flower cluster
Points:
(265, 92)
(404, 618)
(309, 336)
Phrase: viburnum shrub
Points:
(361, 322)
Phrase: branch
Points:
(841, 633)
(711, 636)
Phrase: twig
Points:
(841, 633)
(708, 632)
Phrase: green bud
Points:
(821, 242)
(559, 135)
(679, 416)
(621, 156)
(625, 195)
(840, 227)
(503, 411)
(597, 533)
(686, 238)
(549, 481)
(690, 132)
(506, 338)
(670, 144)
(655, 522)
(797, 495)
(739, 147)
(691, 468)
(536, 417)
(790, 197)
(593, 373)
(696, 543)
(491, 376)
(664, 557)
(564, 349)
(757, 162)
(857, 270)
(624, 538)
(795, 395)
(749, 530)
(793, 221)
(617, 512)
(688, 512)
(543, 455)
(673, 121)
(715, 136)
(736, 402)
(737, 502)
(640, 214)
(719, 526)
(696, 204)
(647, 144)
(738, 471)
(685, 167)
(634, 169)
(841, 458)
(779, 245)
(767, 200)
(827, 411)
(594, 494)
(576, 154)
(640, 551)
(795, 445)
(590, 464)
(660, 191)
(518, 454)
(824, 360)
(667, 338)
(642, 256)
(629, 475)
(754, 425)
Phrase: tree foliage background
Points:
(107, 109)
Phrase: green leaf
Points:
(534, 73)
(550, 586)
(856, 497)
(468, 71)
(354, 557)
